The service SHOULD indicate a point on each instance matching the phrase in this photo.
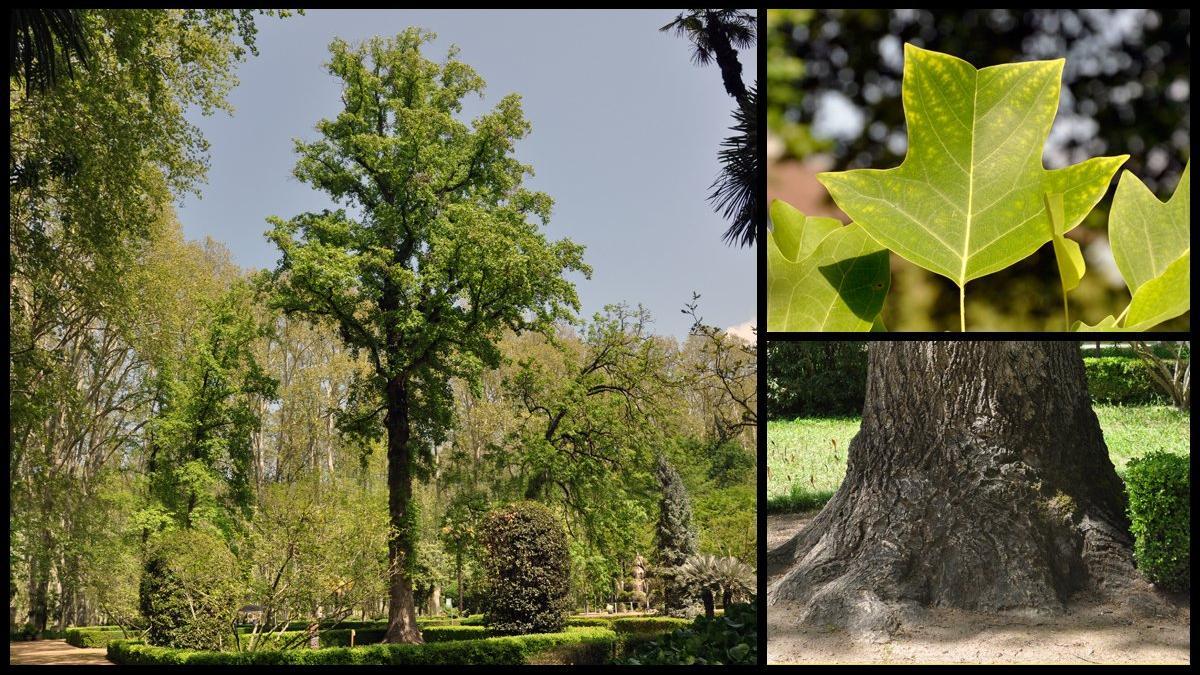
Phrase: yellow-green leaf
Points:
(1166, 296)
(796, 234)
(968, 199)
(839, 286)
(1147, 235)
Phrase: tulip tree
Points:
(438, 252)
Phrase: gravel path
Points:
(54, 653)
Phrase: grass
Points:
(806, 458)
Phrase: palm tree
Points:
(708, 575)
(42, 42)
(715, 35)
(735, 190)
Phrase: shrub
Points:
(188, 591)
(1121, 379)
(529, 570)
(575, 646)
(815, 379)
(1159, 486)
(93, 636)
(29, 632)
(729, 639)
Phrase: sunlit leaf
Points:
(969, 198)
(1148, 235)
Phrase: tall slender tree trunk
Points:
(978, 480)
(458, 564)
(727, 61)
(402, 611)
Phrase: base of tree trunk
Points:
(979, 480)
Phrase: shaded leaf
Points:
(839, 286)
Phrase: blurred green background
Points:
(833, 103)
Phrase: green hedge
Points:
(1159, 486)
(1121, 379)
(573, 646)
(820, 379)
(815, 379)
(93, 636)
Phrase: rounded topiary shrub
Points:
(1159, 486)
(529, 570)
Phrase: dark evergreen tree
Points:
(676, 537)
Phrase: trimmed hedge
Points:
(574, 646)
(93, 636)
(1121, 379)
(815, 379)
(1159, 486)
(637, 631)
(821, 379)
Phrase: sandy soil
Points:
(54, 653)
(1086, 633)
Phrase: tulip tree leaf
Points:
(1166, 296)
(968, 199)
(839, 285)
(1109, 323)
(1151, 242)
(795, 233)
(1148, 235)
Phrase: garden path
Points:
(54, 653)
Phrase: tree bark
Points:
(727, 60)
(402, 610)
(979, 480)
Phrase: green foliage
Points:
(969, 198)
(730, 639)
(727, 522)
(189, 591)
(209, 410)
(94, 636)
(575, 645)
(811, 379)
(675, 535)
(1159, 486)
(446, 256)
(528, 570)
(1151, 243)
(822, 276)
(1122, 380)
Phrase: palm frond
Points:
(43, 43)
(735, 190)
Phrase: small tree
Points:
(529, 570)
(189, 591)
(460, 531)
(676, 536)
(1172, 374)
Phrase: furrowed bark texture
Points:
(979, 480)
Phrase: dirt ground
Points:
(54, 653)
(1086, 633)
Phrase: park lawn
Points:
(806, 458)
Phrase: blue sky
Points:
(625, 137)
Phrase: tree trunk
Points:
(727, 61)
(402, 610)
(707, 596)
(458, 564)
(979, 480)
